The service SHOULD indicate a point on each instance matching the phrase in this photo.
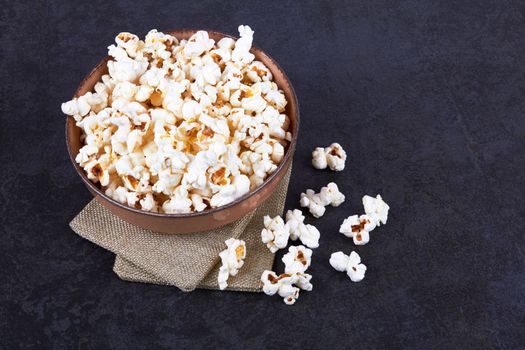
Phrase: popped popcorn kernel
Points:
(232, 259)
(275, 233)
(288, 284)
(316, 202)
(308, 234)
(333, 157)
(376, 208)
(358, 228)
(349, 264)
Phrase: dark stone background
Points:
(426, 97)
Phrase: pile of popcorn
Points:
(278, 231)
(181, 126)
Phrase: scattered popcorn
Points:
(319, 158)
(283, 285)
(376, 209)
(316, 202)
(232, 259)
(333, 156)
(330, 195)
(275, 233)
(358, 228)
(297, 260)
(181, 126)
(312, 200)
(349, 264)
(307, 234)
(288, 284)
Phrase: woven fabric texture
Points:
(187, 261)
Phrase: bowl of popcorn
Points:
(184, 131)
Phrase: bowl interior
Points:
(73, 132)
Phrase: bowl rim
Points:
(211, 211)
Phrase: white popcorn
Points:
(191, 109)
(333, 156)
(376, 209)
(275, 233)
(288, 284)
(198, 202)
(316, 202)
(241, 53)
(349, 264)
(283, 285)
(179, 127)
(258, 72)
(197, 44)
(128, 42)
(232, 259)
(312, 201)
(126, 70)
(148, 203)
(358, 228)
(330, 195)
(297, 260)
(319, 158)
(227, 194)
(179, 202)
(308, 234)
(277, 99)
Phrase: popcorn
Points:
(330, 195)
(275, 233)
(297, 260)
(227, 194)
(232, 259)
(288, 284)
(358, 228)
(333, 156)
(376, 209)
(180, 127)
(76, 107)
(308, 234)
(319, 158)
(197, 44)
(179, 203)
(241, 53)
(316, 202)
(282, 285)
(349, 264)
(312, 200)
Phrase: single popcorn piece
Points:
(330, 195)
(307, 234)
(297, 260)
(181, 126)
(294, 278)
(275, 233)
(316, 202)
(283, 285)
(232, 259)
(319, 158)
(333, 157)
(312, 201)
(349, 264)
(358, 228)
(376, 209)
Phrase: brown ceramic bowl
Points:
(208, 219)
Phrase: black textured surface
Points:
(425, 96)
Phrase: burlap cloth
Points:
(187, 261)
